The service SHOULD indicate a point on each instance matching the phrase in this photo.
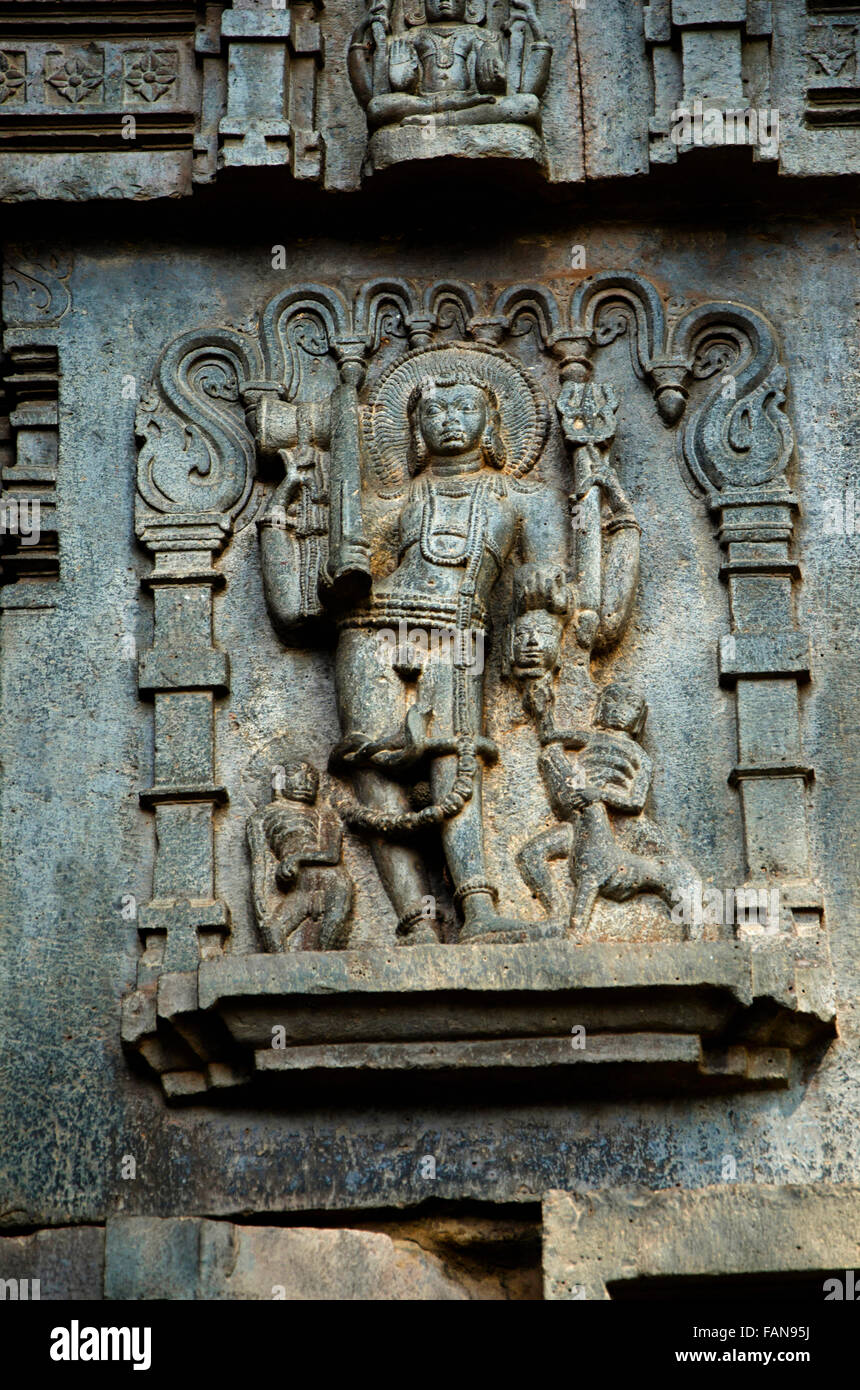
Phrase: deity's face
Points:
(536, 643)
(452, 419)
(445, 11)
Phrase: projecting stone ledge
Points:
(698, 1017)
(741, 1239)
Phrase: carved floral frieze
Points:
(78, 77)
(13, 76)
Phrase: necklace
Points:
(477, 525)
(445, 55)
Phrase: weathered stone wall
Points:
(90, 304)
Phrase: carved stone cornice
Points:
(144, 101)
(709, 1017)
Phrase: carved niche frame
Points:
(702, 1014)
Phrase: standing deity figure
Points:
(466, 423)
(426, 508)
(439, 65)
(302, 895)
(448, 435)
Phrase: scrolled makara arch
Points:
(197, 456)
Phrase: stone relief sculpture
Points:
(436, 77)
(461, 426)
(609, 778)
(413, 501)
(447, 536)
(610, 774)
(302, 896)
(452, 433)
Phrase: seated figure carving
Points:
(450, 69)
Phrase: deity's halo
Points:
(522, 407)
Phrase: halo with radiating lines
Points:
(522, 408)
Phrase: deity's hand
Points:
(298, 472)
(354, 555)
(253, 402)
(616, 768)
(607, 478)
(539, 696)
(403, 64)
(287, 875)
(445, 106)
(379, 13)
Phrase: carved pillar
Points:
(273, 56)
(307, 54)
(213, 94)
(195, 450)
(184, 672)
(738, 445)
(764, 658)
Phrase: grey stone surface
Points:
(139, 1259)
(88, 730)
(596, 1242)
(316, 1265)
(225, 821)
(147, 1259)
(56, 1266)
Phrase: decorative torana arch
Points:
(221, 400)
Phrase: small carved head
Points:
(535, 644)
(450, 418)
(300, 782)
(417, 12)
(541, 602)
(621, 707)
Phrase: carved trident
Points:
(587, 413)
